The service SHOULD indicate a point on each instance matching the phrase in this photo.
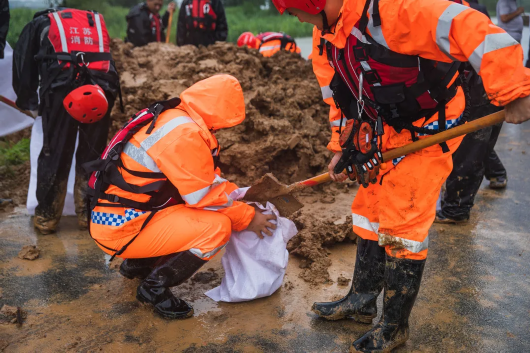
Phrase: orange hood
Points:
(215, 103)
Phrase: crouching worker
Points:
(159, 200)
(268, 43)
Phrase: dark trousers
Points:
(474, 159)
(55, 159)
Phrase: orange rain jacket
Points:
(182, 147)
(437, 30)
(399, 210)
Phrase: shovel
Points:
(13, 105)
(268, 188)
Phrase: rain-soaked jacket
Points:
(436, 30)
(182, 147)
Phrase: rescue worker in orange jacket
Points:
(268, 43)
(391, 66)
(167, 245)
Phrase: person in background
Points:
(63, 71)
(201, 22)
(4, 25)
(268, 43)
(476, 157)
(144, 24)
(510, 19)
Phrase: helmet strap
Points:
(325, 25)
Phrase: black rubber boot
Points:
(360, 302)
(402, 284)
(138, 268)
(170, 271)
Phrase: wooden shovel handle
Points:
(169, 26)
(444, 136)
(13, 105)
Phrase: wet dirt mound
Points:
(286, 129)
(314, 236)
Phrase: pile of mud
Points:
(286, 130)
(313, 236)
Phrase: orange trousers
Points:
(176, 229)
(399, 210)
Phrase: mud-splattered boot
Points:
(170, 270)
(138, 268)
(45, 225)
(402, 284)
(360, 302)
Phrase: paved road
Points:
(475, 296)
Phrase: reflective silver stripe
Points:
(164, 130)
(273, 35)
(401, 243)
(326, 92)
(140, 156)
(195, 197)
(64, 44)
(491, 42)
(337, 123)
(443, 29)
(357, 34)
(229, 203)
(100, 33)
(364, 223)
(376, 32)
(262, 49)
(209, 254)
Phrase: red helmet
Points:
(247, 39)
(86, 104)
(312, 7)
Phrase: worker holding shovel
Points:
(390, 71)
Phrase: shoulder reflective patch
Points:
(140, 156)
(164, 130)
(443, 28)
(376, 32)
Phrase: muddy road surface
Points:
(475, 295)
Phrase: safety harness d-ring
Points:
(82, 55)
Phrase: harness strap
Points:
(375, 14)
(364, 17)
(441, 125)
(122, 250)
(76, 57)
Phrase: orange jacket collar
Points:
(350, 14)
(215, 103)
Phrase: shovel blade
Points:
(286, 204)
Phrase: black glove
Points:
(360, 153)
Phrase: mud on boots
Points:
(170, 271)
(402, 284)
(360, 302)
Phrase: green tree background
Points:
(242, 15)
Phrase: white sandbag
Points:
(11, 120)
(35, 148)
(254, 267)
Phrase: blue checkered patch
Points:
(395, 161)
(116, 220)
(448, 124)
